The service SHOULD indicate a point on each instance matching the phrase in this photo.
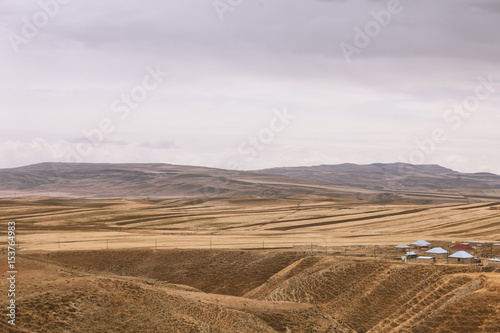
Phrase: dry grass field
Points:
(246, 222)
(230, 265)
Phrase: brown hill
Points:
(154, 180)
(374, 183)
(145, 290)
(392, 176)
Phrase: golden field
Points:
(246, 264)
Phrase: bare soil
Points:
(205, 291)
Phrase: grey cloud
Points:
(101, 141)
(158, 144)
(265, 54)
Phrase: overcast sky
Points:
(251, 84)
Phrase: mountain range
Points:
(395, 182)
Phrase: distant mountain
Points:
(427, 184)
(393, 176)
(154, 180)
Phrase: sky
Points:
(240, 84)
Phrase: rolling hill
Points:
(422, 184)
(393, 176)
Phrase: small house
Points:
(421, 244)
(438, 252)
(461, 247)
(410, 255)
(425, 259)
(461, 257)
(401, 248)
(493, 262)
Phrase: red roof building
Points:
(462, 247)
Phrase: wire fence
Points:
(378, 252)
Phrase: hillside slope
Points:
(392, 176)
(374, 183)
(254, 291)
(154, 180)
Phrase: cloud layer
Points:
(89, 68)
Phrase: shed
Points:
(495, 249)
(424, 259)
(439, 252)
(493, 262)
(421, 244)
(401, 248)
(411, 255)
(495, 207)
(461, 257)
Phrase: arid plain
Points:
(186, 249)
(247, 264)
(76, 224)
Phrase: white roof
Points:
(411, 253)
(461, 254)
(422, 257)
(437, 250)
(421, 243)
(497, 244)
(494, 260)
(402, 246)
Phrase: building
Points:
(461, 247)
(496, 247)
(461, 257)
(493, 262)
(420, 244)
(410, 255)
(438, 252)
(495, 207)
(424, 259)
(401, 248)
